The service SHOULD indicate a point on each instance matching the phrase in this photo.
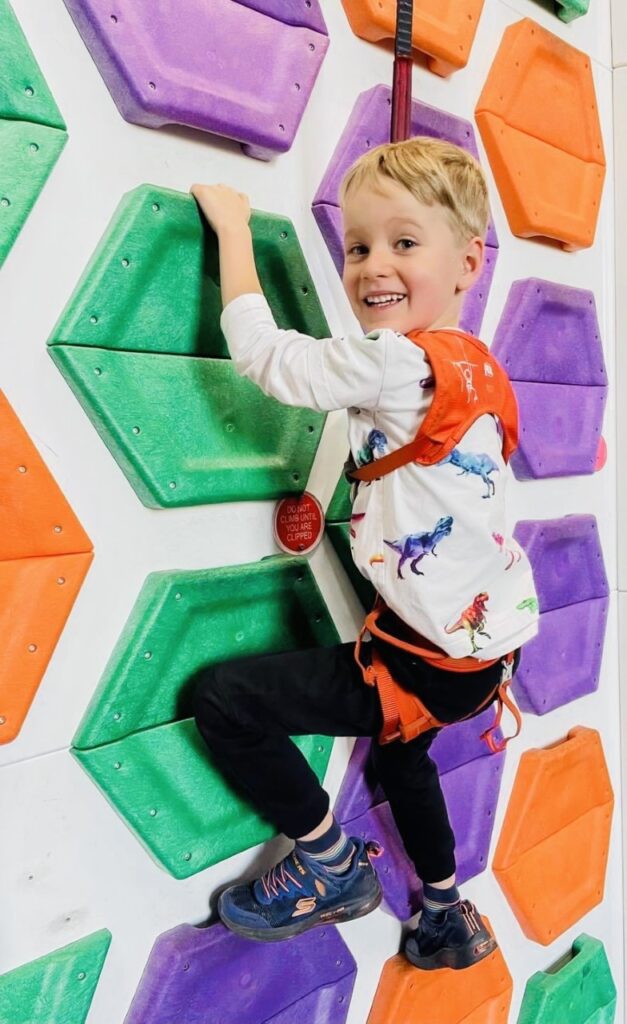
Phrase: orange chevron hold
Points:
(539, 122)
(442, 29)
(37, 597)
(555, 835)
(44, 556)
(478, 995)
(35, 518)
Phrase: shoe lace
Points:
(471, 917)
(280, 881)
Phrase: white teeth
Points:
(382, 300)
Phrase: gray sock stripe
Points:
(333, 851)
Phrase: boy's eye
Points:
(406, 243)
(357, 250)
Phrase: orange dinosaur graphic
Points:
(473, 620)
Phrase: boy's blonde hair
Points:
(434, 172)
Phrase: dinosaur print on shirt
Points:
(356, 517)
(513, 554)
(481, 465)
(414, 546)
(375, 442)
(473, 620)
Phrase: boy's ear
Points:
(472, 263)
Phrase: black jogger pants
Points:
(246, 711)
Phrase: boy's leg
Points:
(411, 783)
(450, 932)
(246, 711)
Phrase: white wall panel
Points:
(619, 33)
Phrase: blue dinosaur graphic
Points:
(414, 546)
(482, 465)
(375, 442)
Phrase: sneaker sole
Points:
(347, 912)
(457, 959)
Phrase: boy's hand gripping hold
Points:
(228, 213)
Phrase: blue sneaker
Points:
(298, 894)
(460, 940)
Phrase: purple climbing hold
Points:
(206, 65)
(566, 559)
(402, 889)
(560, 427)
(471, 779)
(305, 13)
(548, 340)
(563, 661)
(369, 126)
(202, 975)
(549, 333)
(360, 790)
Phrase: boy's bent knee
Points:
(222, 698)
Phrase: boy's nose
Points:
(376, 266)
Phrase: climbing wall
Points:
(139, 476)
(619, 57)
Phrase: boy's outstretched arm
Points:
(296, 369)
(228, 213)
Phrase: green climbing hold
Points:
(339, 535)
(57, 988)
(163, 785)
(568, 10)
(32, 131)
(338, 526)
(340, 506)
(141, 346)
(137, 740)
(185, 620)
(190, 431)
(578, 989)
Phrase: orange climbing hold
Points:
(44, 556)
(479, 995)
(540, 126)
(551, 856)
(35, 518)
(37, 597)
(442, 29)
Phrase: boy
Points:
(430, 537)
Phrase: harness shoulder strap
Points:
(469, 382)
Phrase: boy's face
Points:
(404, 266)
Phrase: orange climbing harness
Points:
(469, 383)
(404, 714)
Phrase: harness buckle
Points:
(508, 669)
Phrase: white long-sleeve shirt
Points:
(431, 539)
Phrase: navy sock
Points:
(333, 850)
(436, 902)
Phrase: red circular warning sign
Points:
(298, 524)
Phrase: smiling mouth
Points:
(383, 301)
